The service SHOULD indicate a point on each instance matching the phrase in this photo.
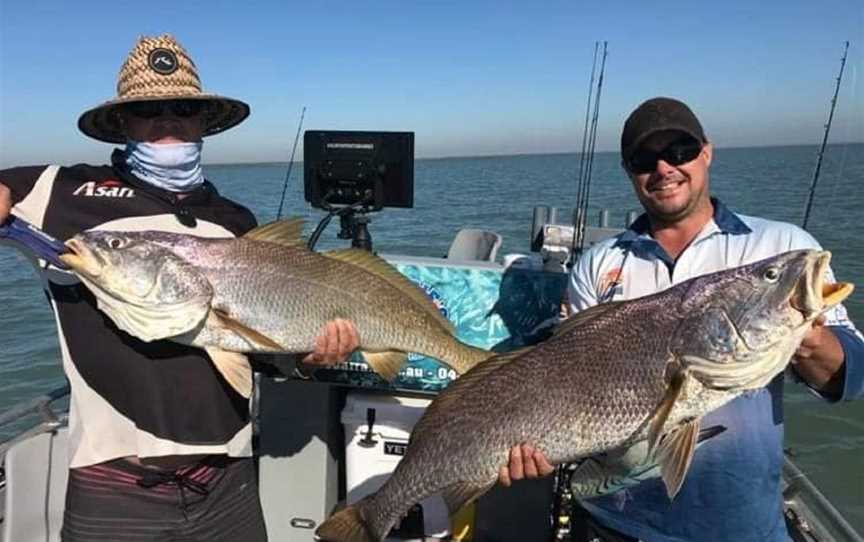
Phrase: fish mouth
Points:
(80, 259)
(813, 295)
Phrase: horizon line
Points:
(550, 153)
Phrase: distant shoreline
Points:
(515, 155)
(4, 164)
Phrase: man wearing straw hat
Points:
(159, 445)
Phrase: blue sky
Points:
(468, 78)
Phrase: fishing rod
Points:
(290, 163)
(824, 139)
(585, 140)
(590, 165)
(40, 243)
(589, 137)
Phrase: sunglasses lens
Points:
(643, 161)
(144, 110)
(186, 108)
(682, 153)
(678, 153)
(178, 108)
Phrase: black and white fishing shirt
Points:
(130, 397)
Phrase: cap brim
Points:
(103, 123)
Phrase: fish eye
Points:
(772, 274)
(115, 243)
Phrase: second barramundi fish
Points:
(629, 378)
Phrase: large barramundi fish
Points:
(612, 377)
(263, 292)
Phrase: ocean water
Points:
(498, 193)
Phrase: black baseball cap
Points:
(658, 115)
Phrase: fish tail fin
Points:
(468, 357)
(346, 525)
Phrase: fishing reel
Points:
(553, 240)
(559, 244)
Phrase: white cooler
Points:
(368, 464)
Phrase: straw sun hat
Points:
(159, 69)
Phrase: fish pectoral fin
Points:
(461, 494)
(386, 364)
(675, 455)
(249, 334)
(287, 232)
(235, 368)
(673, 392)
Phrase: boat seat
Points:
(36, 473)
(473, 245)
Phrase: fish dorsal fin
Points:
(379, 267)
(452, 395)
(287, 232)
(253, 337)
(582, 317)
(462, 494)
(235, 368)
(658, 420)
(675, 455)
(386, 364)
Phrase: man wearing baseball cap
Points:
(732, 490)
(160, 445)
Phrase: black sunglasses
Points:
(678, 152)
(179, 108)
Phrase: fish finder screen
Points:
(371, 170)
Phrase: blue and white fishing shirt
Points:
(733, 488)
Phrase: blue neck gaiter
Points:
(174, 166)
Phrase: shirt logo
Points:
(105, 189)
(611, 283)
(162, 61)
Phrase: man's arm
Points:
(831, 361)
